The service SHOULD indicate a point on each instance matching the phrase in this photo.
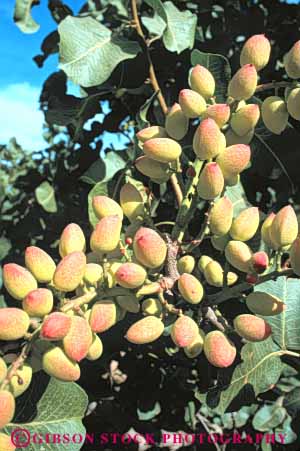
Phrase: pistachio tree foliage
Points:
(176, 255)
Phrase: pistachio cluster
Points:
(129, 267)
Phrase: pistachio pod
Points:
(203, 262)
(56, 326)
(152, 306)
(239, 255)
(284, 227)
(264, 304)
(157, 171)
(105, 206)
(220, 217)
(259, 262)
(265, 230)
(96, 349)
(93, 274)
(130, 275)
(40, 264)
(106, 235)
(218, 350)
(243, 84)
(14, 323)
(291, 61)
(275, 114)
(18, 281)
(164, 150)
(7, 408)
(195, 348)
(57, 364)
(245, 225)
(149, 288)
(256, 51)
(5, 443)
(131, 201)
(78, 339)
(190, 288)
(24, 374)
(70, 271)
(3, 370)
(103, 316)
(214, 275)
(220, 113)
(219, 242)
(72, 240)
(186, 264)
(252, 328)
(293, 103)
(232, 138)
(149, 248)
(245, 119)
(112, 268)
(177, 123)
(208, 141)
(184, 331)
(38, 302)
(192, 103)
(211, 181)
(202, 81)
(145, 330)
(155, 131)
(234, 159)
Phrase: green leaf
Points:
(227, 420)
(45, 196)
(150, 414)
(180, 32)
(23, 18)
(141, 117)
(261, 367)
(5, 246)
(265, 443)
(238, 197)
(158, 7)
(292, 402)
(285, 327)
(284, 434)
(242, 416)
(59, 411)
(178, 28)
(118, 4)
(2, 302)
(268, 417)
(260, 143)
(89, 53)
(155, 25)
(190, 415)
(104, 169)
(219, 66)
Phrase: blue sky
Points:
(20, 78)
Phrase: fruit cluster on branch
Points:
(128, 266)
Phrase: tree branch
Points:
(237, 290)
(156, 88)
(18, 363)
(185, 210)
(274, 85)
